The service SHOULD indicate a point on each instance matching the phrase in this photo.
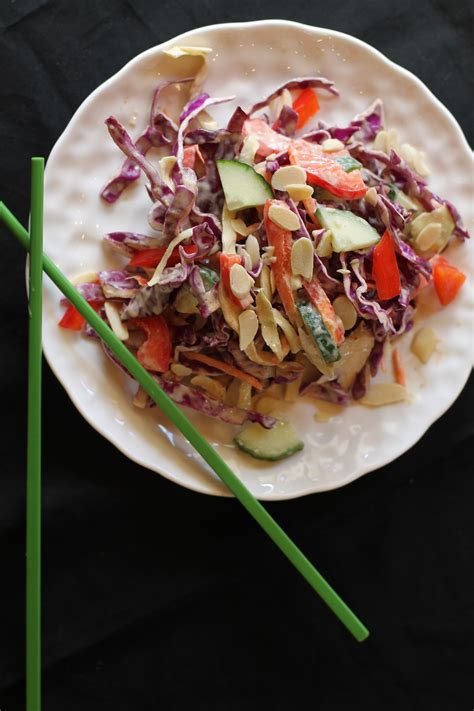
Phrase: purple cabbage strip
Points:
(119, 284)
(197, 400)
(208, 301)
(128, 243)
(90, 291)
(237, 120)
(318, 136)
(148, 301)
(359, 387)
(122, 139)
(220, 333)
(375, 357)
(299, 83)
(287, 121)
(177, 213)
(190, 111)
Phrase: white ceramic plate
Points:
(248, 60)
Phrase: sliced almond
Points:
(324, 248)
(299, 192)
(265, 282)
(283, 217)
(248, 325)
(424, 343)
(166, 165)
(185, 301)
(112, 311)
(240, 281)
(232, 392)
(180, 370)
(371, 196)
(268, 324)
(288, 175)
(346, 311)
(86, 278)
(272, 281)
(302, 258)
(141, 398)
(296, 282)
(242, 229)
(210, 385)
(332, 144)
(380, 143)
(284, 99)
(326, 410)
(381, 394)
(253, 248)
(244, 399)
(249, 150)
(429, 236)
(229, 235)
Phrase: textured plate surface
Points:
(248, 60)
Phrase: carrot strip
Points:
(229, 369)
(398, 368)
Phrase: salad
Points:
(283, 255)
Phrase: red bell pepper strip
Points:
(155, 353)
(152, 257)
(306, 106)
(320, 299)
(282, 242)
(269, 141)
(73, 320)
(322, 169)
(447, 279)
(385, 268)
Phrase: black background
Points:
(155, 597)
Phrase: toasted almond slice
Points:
(210, 385)
(302, 258)
(326, 410)
(166, 165)
(346, 311)
(141, 398)
(296, 282)
(180, 370)
(324, 248)
(266, 283)
(253, 248)
(288, 175)
(112, 311)
(381, 394)
(268, 324)
(299, 192)
(85, 278)
(371, 196)
(177, 51)
(332, 144)
(240, 281)
(249, 150)
(248, 325)
(380, 143)
(283, 217)
(429, 236)
(424, 343)
(244, 399)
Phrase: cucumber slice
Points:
(243, 186)
(349, 232)
(209, 277)
(315, 326)
(404, 200)
(279, 442)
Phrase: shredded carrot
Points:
(310, 205)
(229, 369)
(398, 368)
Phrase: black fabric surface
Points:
(159, 598)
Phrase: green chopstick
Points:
(179, 419)
(33, 480)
